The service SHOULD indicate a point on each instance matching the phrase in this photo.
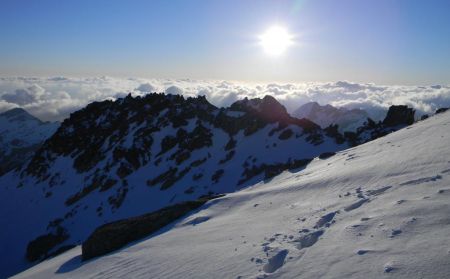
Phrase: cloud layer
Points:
(55, 98)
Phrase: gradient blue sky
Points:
(381, 41)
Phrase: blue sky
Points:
(381, 41)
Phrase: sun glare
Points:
(276, 40)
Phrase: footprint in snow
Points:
(325, 220)
(356, 205)
(390, 267)
(276, 261)
(444, 191)
(395, 232)
(363, 252)
(309, 239)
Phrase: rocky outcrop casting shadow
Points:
(78, 261)
(115, 235)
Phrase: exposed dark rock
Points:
(399, 115)
(286, 134)
(326, 155)
(117, 200)
(162, 177)
(271, 170)
(113, 236)
(124, 170)
(172, 179)
(98, 182)
(40, 248)
(333, 131)
(441, 110)
(228, 157)
(189, 190)
(197, 163)
(230, 144)
(217, 175)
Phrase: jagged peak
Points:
(268, 107)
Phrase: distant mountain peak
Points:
(18, 114)
(14, 111)
(326, 115)
(20, 134)
(270, 110)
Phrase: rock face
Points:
(20, 135)
(326, 155)
(399, 115)
(114, 235)
(40, 248)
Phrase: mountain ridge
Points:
(374, 211)
(116, 159)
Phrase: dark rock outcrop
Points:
(271, 170)
(115, 235)
(441, 110)
(399, 115)
(40, 248)
(326, 155)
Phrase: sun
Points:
(276, 40)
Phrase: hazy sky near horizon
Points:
(380, 41)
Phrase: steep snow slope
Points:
(379, 210)
(324, 116)
(20, 135)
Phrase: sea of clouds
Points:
(56, 97)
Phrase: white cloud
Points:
(174, 90)
(55, 98)
(24, 96)
(146, 88)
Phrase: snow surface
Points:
(379, 210)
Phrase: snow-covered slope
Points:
(324, 116)
(116, 159)
(379, 210)
(20, 135)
